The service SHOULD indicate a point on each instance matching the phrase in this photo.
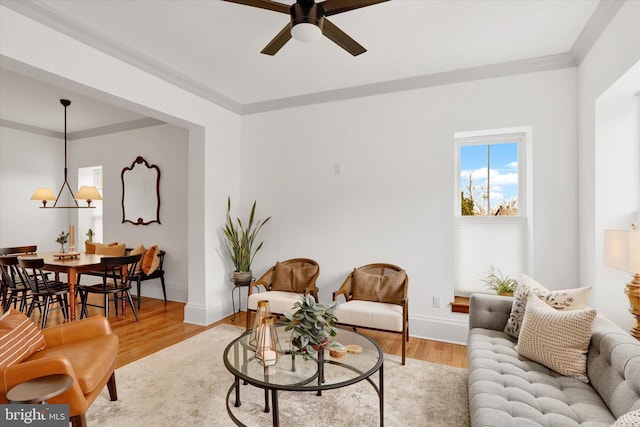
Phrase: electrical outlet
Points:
(436, 301)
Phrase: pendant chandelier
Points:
(87, 193)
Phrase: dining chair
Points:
(17, 288)
(284, 284)
(376, 297)
(118, 274)
(14, 250)
(43, 290)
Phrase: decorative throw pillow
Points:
(111, 249)
(630, 419)
(150, 260)
(557, 339)
(138, 251)
(90, 247)
(302, 277)
(282, 279)
(564, 299)
(374, 287)
(19, 338)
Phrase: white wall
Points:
(29, 161)
(165, 146)
(32, 49)
(608, 180)
(394, 200)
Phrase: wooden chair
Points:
(375, 297)
(118, 273)
(15, 250)
(16, 285)
(43, 290)
(284, 284)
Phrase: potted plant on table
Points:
(312, 324)
(62, 239)
(503, 285)
(239, 243)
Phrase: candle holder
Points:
(268, 345)
(262, 311)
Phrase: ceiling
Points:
(212, 48)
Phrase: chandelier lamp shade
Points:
(86, 193)
(622, 252)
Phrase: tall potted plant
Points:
(240, 241)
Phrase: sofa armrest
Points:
(79, 330)
(489, 311)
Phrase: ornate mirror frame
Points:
(140, 197)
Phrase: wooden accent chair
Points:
(375, 297)
(86, 350)
(44, 291)
(284, 284)
(118, 273)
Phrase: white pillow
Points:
(630, 419)
(564, 299)
(557, 339)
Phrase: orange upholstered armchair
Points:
(284, 284)
(85, 350)
(376, 297)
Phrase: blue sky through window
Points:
(502, 161)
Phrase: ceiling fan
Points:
(309, 22)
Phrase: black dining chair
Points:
(15, 286)
(118, 273)
(13, 250)
(44, 292)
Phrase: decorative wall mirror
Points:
(141, 193)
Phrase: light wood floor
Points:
(161, 325)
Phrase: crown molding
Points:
(597, 23)
(102, 42)
(31, 129)
(87, 133)
(531, 65)
(600, 19)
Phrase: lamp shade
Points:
(622, 250)
(42, 194)
(88, 193)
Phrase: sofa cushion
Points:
(92, 359)
(630, 419)
(19, 338)
(90, 247)
(564, 299)
(150, 261)
(507, 389)
(557, 339)
(111, 249)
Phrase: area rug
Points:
(186, 385)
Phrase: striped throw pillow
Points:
(19, 338)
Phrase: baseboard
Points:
(199, 314)
(449, 330)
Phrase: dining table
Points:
(72, 266)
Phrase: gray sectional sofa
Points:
(506, 389)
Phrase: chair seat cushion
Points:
(92, 359)
(279, 301)
(369, 314)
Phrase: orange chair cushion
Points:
(19, 338)
(90, 247)
(92, 359)
(150, 260)
(387, 288)
(113, 250)
(139, 250)
(289, 278)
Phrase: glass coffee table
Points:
(293, 373)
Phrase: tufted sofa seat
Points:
(506, 389)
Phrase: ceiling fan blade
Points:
(263, 4)
(341, 38)
(332, 7)
(278, 41)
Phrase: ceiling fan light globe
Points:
(306, 32)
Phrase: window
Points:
(90, 218)
(491, 216)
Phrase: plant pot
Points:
(242, 276)
(506, 294)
